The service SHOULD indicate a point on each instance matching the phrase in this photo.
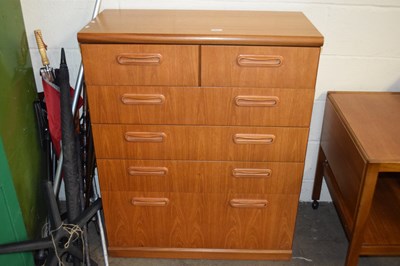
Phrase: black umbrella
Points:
(69, 146)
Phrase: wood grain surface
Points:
(179, 66)
(201, 27)
(200, 143)
(200, 176)
(200, 121)
(297, 70)
(363, 113)
(194, 221)
(361, 146)
(343, 157)
(200, 106)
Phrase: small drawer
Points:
(258, 66)
(199, 106)
(203, 176)
(135, 64)
(287, 144)
(252, 221)
(148, 219)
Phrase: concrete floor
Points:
(319, 240)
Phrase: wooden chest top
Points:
(201, 27)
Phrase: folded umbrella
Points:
(51, 91)
(69, 147)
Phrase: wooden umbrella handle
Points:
(42, 47)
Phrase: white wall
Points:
(361, 51)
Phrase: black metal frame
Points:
(60, 235)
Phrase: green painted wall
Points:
(18, 128)
(12, 226)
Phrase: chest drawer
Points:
(135, 64)
(200, 143)
(199, 106)
(200, 176)
(248, 66)
(174, 220)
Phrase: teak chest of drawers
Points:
(200, 122)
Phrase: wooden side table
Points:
(359, 157)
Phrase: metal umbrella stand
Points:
(58, 241)
(61, 239)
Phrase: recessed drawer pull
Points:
(259, 60)
(139, 59)
(253, 138)
(159, 171)
(142, 99)
(145, 136)
(264, 101)
(251, 172)
(153, 202)
(248, 203)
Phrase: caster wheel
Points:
(315, 205)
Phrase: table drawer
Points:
(200, 143)
(193, 176)
(249, 66)
(188, 220)
(199, 106)
(133, 64)
(343, 156)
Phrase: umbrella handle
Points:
(42, 47)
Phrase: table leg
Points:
(364, 203)
(319, 174)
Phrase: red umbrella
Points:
(51, 93)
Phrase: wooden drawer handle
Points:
(145, 136)
(259, 60)
(264, 101)
(251, 172)
(153, 202)
(139, 59)
(158, 171)
(248, 203)
(142, 99)
(253, 138)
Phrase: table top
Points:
(201, 27)
(373, 120)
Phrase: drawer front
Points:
(141, 64)
(249, 66)
(343, 156)
(187, 220)
(153, 219)
(199, 106)
(191, 176)
(200, 143)
(252, 221)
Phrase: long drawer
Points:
(200, 176)
(258, 66)
(199, 106)
(135, 64)
(199, 220)
(283, 144)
